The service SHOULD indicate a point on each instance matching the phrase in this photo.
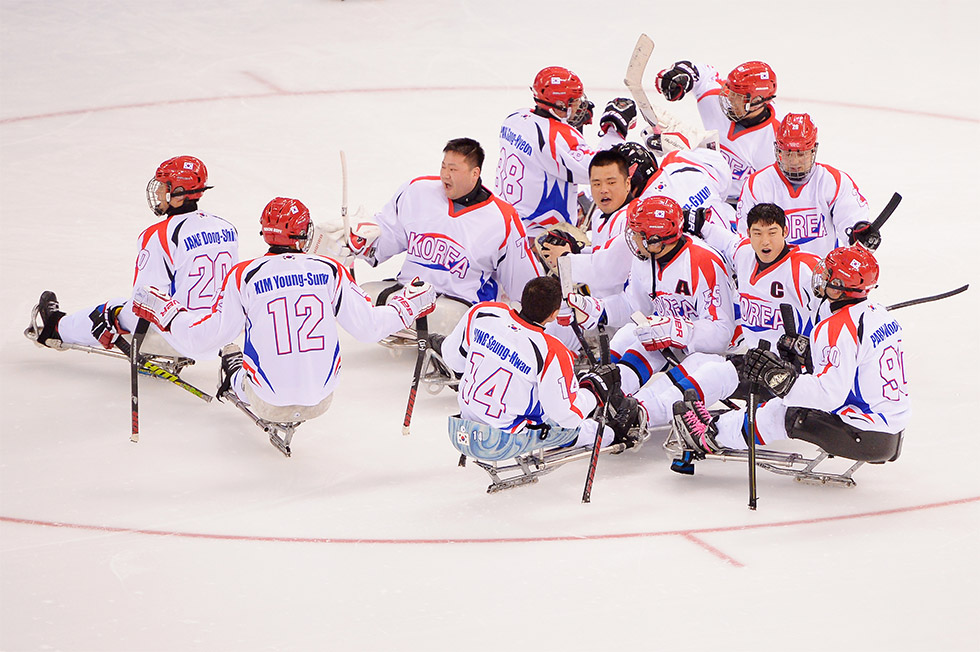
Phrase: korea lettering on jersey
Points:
(289, 305)
(514, 374)
(745, 150)
(470, 254)
(859, 370)
(818, 213)
(606, 266)
(693, 283)
(542, 160)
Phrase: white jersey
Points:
(745, 150)
(693, 283)
(186, 256)
(818, 213)
(514, 374)
(469, 253)
(542, 161)
(761, 289)
(859, 370)
(290, 305)
(605, 267)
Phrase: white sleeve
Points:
(359, 317)
(849, 208)
(562, 399)
(222, 325)
(835, 368)
(715, 326)
(721, 240)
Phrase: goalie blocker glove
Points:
(156, 307)
(767, 369)
(863, 234)
(675, 82)
(620, 114)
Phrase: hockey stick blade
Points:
(634, 78)
(935, 297)
(886, 212)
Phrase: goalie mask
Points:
(180, 177)
(286, 223)
(558, 91)
(796, 147)
(852, 271)
(748, 88)
(642, 166)
(651, 222)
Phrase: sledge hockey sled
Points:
(820, 430)
(527, 454)
(170, 362)
(436, 374)
(280, 433)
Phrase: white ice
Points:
(204, 537)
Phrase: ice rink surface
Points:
(204, 537)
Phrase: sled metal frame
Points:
(280, 433)
(432, 377)
(796, 465)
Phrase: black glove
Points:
(674, 83)
(694, 220)
(603, 382)
(583, 115)
(861, 232)
(105, 327)
(620, 114)
(763, 367)
(795, 349)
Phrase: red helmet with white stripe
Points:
(653, 221)
(748, 88)
(286, 223)
(796, 146)
(852, 271)
(556, 88)
(181, 176)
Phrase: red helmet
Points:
(657, 220)
(286, 223)
(183, 176)
(851, 270)
(755, 81)
(796, 134)
(556, 88)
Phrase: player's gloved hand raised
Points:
(795, 349)
(415, 300)
(765, 368)
(156, 306)
(676, 81)
(658, 332)
(587, 311)
(105, 324)
(863, 234)
(620, 114)
(363, 233)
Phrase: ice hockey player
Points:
(543, 157)
(516, 377)
(684, 294)
(823, 205)
(187, 254)
(739, 108)
(855, 404)
(768, 272)
(289, 303)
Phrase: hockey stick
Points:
(634, 79)
(935, 297)
(886, 212)
(422, 338)
(160, 372)
(597, 444)
(750, 424)
(141, 327)
(565, 278)
(343, 204)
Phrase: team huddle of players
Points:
(683, 255)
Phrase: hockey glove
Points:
(694, 220)
(582, 115)
(588, 311)
(156, 306)
(602, 382)
(415, 300)
(105, 324)
(328, 240)
(363, 233)
(765, 368)
(863, 234)
(795, 349)
(656, 332)
(620, 114)
(674, 83)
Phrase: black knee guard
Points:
(829, 432)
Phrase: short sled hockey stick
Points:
(162, 373)
(597, 444)
(422, 338)
(134, 373)
(565, 278)
(343, 203)
(935, 297)
(886, 212)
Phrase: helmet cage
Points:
(831, 273)
(792, 167)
